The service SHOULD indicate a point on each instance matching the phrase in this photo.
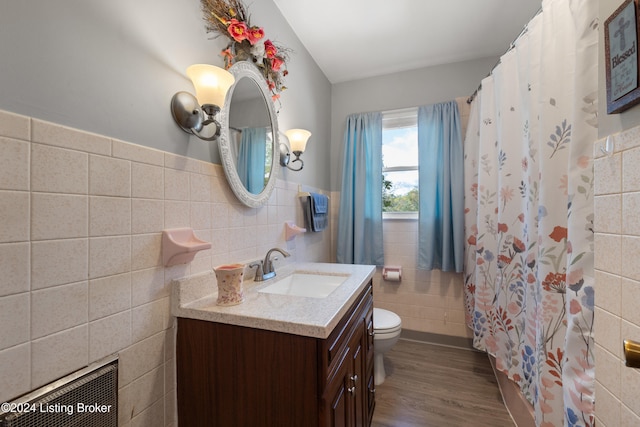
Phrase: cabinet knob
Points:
(354, 378)
(372, 333)
(352, 390)
(372, 390)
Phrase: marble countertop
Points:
(195, 298)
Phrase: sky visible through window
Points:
(400, 148)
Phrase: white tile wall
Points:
(109, 295)
(80, 255)
(58, 308)
(14, 265)
(56, 262)
(58, 216)
(109, 176)
(56, 355)
(58, 170)
(15, 370)
(109, 335)
(14, 211)
(109, 216)
(14, 155)
(426, 301)
(14, 317)
(617, 276)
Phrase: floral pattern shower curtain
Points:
(529, 213)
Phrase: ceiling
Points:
(354, 39)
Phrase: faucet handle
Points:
(259, 268)
(269, 266)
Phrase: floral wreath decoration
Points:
(247, 42)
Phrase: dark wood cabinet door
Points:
(356, 378)
(337, 398)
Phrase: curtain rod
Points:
(511, 46)
(240, 130)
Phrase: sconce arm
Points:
(285, 158)
(190, 116)
(297, 159)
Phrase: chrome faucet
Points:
(265, 268)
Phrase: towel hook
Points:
(608, 147)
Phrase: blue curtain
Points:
(441, 183)
(360, 214)
(251, 159)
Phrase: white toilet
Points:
(387, 327)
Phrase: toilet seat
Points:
(385, 321)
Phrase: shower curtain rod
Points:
(511, 46)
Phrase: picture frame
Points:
(622, 58)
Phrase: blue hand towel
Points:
(320, 203)
(316, 212)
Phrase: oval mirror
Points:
(249, 136)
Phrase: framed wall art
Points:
(622, 58)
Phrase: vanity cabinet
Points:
(230, 375)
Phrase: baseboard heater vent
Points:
(86, 398)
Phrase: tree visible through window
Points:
(400, 161)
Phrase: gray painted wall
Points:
(111, 67)
(423, 86)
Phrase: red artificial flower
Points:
(558, 234)
(227, 56)
(271, 85)
(275, 97)
(276, 63)
(238, 30)
(254, 34)
(270, 50)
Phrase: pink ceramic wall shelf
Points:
(180, 245)
(291, 230)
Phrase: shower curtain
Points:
(529, 212)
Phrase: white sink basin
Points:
(306, 285)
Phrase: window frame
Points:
(404, 118)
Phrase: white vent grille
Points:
(87, 398)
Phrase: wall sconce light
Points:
(212, 84)
(298, 141)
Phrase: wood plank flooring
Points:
(429, 385)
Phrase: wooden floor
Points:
(435, 386)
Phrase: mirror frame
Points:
(245, 69)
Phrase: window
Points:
(400, 164)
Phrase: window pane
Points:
(400, 191)
(400, 147)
